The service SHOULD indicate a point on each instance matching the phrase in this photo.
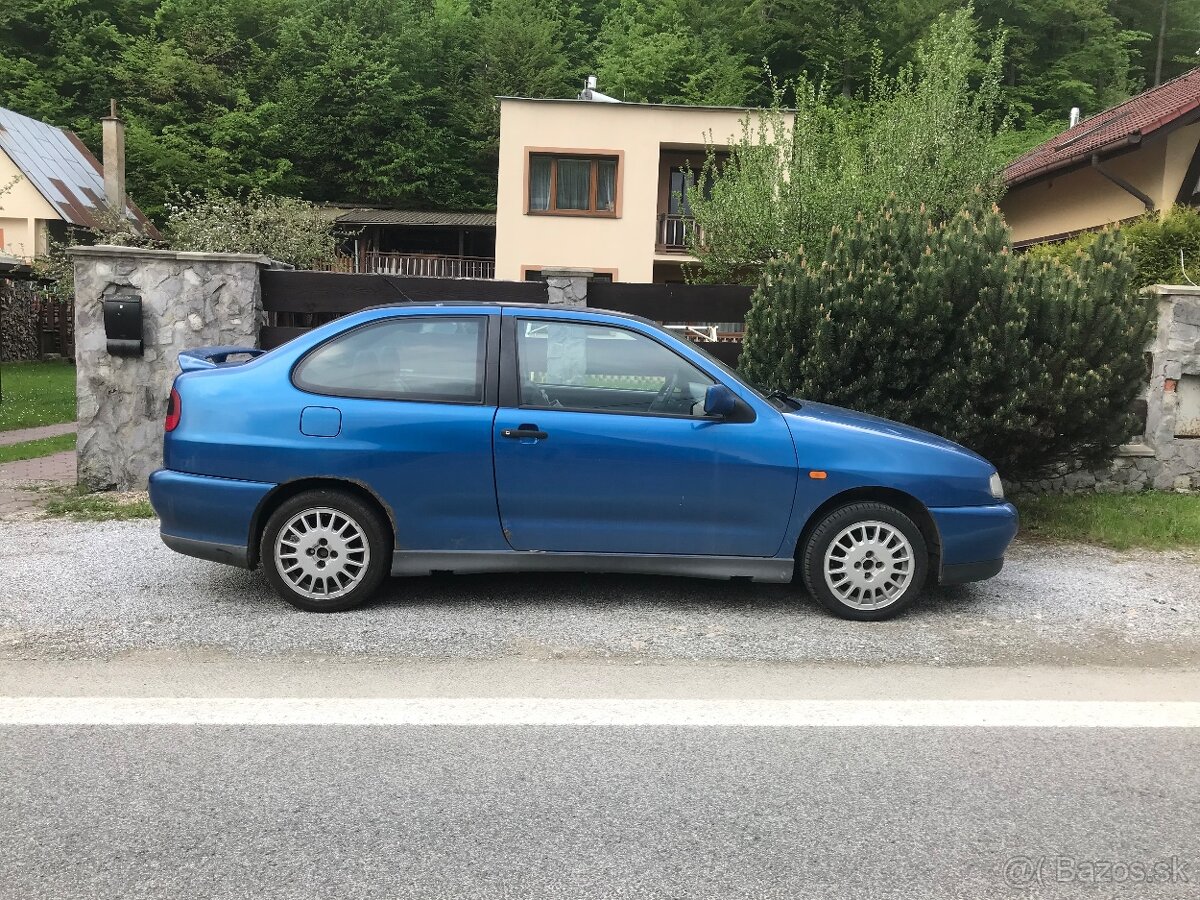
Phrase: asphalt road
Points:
(516, 812)
(580, 737)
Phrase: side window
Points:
(438, 359)
(596, 368)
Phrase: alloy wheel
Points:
(322, 553)
(869, 565)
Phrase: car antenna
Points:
(399, 290)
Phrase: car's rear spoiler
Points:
(215, 357)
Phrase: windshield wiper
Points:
(784, 398)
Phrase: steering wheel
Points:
(664, 393)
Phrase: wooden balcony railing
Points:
(429, 266)
(674, 231)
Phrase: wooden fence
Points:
(296, 301)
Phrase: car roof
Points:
(503, 304)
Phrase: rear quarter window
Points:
(435, 359)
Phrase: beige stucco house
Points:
(597, 185)
(53, 182)
(1136, 157)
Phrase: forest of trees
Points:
(392, 101)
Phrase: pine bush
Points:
(1028, 362)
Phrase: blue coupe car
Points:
(413, 439)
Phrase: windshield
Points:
(730, 372)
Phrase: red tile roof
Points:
(1123, 124)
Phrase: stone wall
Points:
(1167, 455)
(188, 300)
(566, 287)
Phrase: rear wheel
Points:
(325, 551)
(865, 561)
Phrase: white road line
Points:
(595, 712)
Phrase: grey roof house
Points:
(49, 180)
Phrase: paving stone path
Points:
(21, 435)
(58, 468)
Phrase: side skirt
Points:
(425, 562)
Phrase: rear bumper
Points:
(206, 517)
(230, 554)
(974, 539)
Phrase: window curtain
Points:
(539, 183)
(606, 185)
(574, 183)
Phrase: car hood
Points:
(864, 422)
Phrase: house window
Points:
(573, 185)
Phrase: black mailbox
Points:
(123, 324)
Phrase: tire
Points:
(325, 551)
(876, 535)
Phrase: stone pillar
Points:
(566, 348)
(1174, 370)
(566, 287)
(188, 300)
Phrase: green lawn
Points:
(1157, 520)
(34, 449)
(36, 393)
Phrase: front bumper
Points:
(207, 517)
(974, 539)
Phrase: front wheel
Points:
(865, 561)
(325, 551)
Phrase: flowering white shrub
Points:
(283, 228)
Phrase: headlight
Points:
(996, 486)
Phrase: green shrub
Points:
(283, 228)
(940, 325)
(1154, 241)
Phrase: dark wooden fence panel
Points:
(271, 336)
(335, 292)
(674, 302)
(298, 300)
(726, 351)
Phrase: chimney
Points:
(1074, 116)
(589, 92)
(114, 160)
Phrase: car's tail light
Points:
(174, 410)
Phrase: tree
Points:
(925, 135)
(1062, 55)
(394, 102)
(1172, 35)
(677, 51)
(938, 324)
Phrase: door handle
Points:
(525, 431)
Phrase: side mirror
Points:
(719, 401)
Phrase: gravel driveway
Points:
(95, 590)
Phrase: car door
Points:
(404, 405)
(602, 446)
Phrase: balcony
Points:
(674, 232)
(421, 265)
